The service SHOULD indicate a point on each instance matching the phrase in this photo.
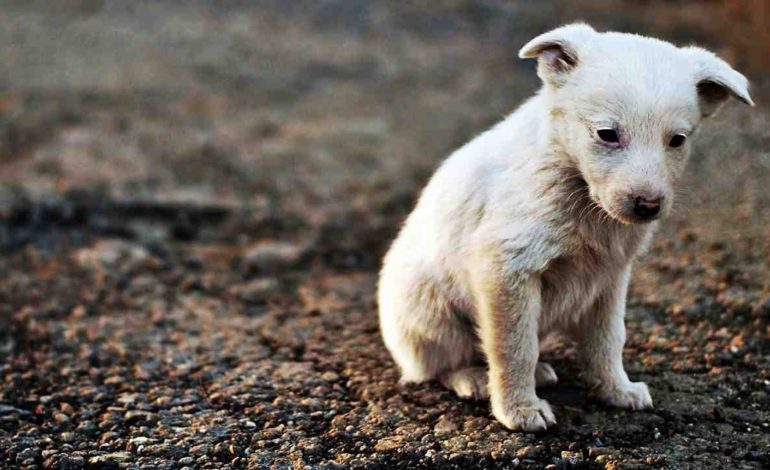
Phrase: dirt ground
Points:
(194, 201)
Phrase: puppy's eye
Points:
(608, 135)
(677, 141)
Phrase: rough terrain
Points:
(194, 201)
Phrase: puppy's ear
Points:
(557, 51)
(716, 81)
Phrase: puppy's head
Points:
(623, 108)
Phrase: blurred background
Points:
(193, 192)
(305, 107)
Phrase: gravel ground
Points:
(194, 201)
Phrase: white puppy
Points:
(533, 226)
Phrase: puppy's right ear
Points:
(557, 51)
(716, 81)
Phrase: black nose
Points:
(647, 208)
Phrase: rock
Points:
(258, 291)
(137, 416)
(111, 458)
(67, 409)
(109, 436)
(389, 444)
(147, 369)
(114, 380)
(28, 454)
(270, 257)
(445, 425)
(11, 410)
(595, 451)
(66, 462)
(572, 457)
(107, 254)
(605, 458)
(87, 427)
(201, 449)
(61, 418)
(127, 398)
(330, 376)
(311, 403)
(140, 440)
(529, 452)
(292, 370)
(161, 450)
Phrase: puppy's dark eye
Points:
(608, 135)
(677, 141)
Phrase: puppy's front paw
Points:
(529, 417)
(632, 395)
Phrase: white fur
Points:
(529, 229)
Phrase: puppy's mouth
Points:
(625, 219)
(615, 214)
(593, 206)
(626, 216)
(585, 203)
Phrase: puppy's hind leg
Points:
(468, 382)
(545, 376)
(422, 333)
(472, 382)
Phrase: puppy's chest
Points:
(573, 282)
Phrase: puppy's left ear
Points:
(716, 81)
(557, 51)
